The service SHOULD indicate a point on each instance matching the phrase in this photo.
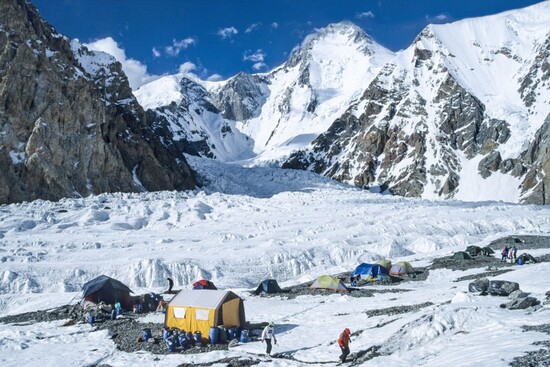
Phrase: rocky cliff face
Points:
(69, 124)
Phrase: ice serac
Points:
(451, 117)
(69, 123)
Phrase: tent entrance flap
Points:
(230, 313)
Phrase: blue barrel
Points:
(91, 319)
(146, 334)
(170, 344)
(244, 336)
(190, 339)
(198, 337)
(232, 333)
(223, 334)
(182, 341)
(113, 314)
(214, 335)
(165, 334)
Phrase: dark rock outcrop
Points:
(69, 124)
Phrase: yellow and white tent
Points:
(198, 310)
(328, 282)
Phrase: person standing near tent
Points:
(504, 253)
(514, 252)
(343, 343)
(267, 335)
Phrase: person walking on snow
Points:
(267, 335)
(343, 342)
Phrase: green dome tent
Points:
(402, 268)
(328, 282)
(385, 263)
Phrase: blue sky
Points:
(218, 38)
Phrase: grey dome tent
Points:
(268, 286)
(474, 250)
(108, 290)
(461, 255)
(487, 251)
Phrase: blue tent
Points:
(371, 272)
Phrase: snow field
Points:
(251, 224)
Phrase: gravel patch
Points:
(523, 243)
(397, 310)
(492, 273)
(536, 358)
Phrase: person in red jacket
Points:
(343, 342)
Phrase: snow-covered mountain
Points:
(451, 116)
(461, 113)
(280, 111)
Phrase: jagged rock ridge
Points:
(69, 123)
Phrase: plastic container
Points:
(182, 340)
(214, 335)
(198, 337)
(190, 340)
(520, 261)
(222, 334)
(165, 334)
(244, 336)
(91, 319)
(170, 344)
(113, 314)
(146, 334)
(232, 333)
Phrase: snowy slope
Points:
(254, 223)
(496, 53)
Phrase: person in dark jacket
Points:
(343, 343)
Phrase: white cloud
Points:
(134, 69)
(437, 19)
(258, 56)
(177, 46)
(227, 32)
(365, 14)
(214, 78)
(259, 66)
(156, 53)
(187, 68)
(252, 27)
(274, 25)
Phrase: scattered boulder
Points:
(479, 285)
(502, 287)
(522, 303)
(518, 294)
